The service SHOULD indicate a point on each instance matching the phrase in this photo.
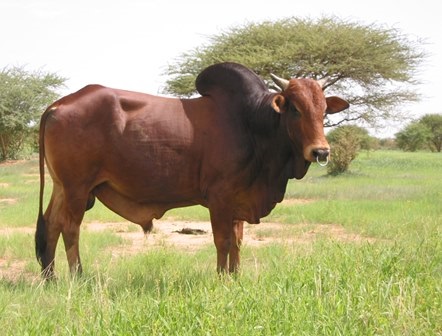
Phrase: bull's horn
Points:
(281, 82)
(322, 81)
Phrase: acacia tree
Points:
(23, 97)
(371, 66)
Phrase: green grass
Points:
(329, 289)
(388, 285)
(11, 246)
(19, 184)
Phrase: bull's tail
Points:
(40, 233)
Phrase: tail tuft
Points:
(40, 239)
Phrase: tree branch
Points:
(347, 119)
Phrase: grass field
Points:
(386, 282)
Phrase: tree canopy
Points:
(371, 66)
(23, 97)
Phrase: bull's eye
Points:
(294, 112)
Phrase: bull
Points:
(232, 150)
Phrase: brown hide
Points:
(232, 150)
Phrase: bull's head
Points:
(305, 104)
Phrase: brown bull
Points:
(231, 150)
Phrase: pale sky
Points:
(128, 44)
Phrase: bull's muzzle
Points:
(321, 155)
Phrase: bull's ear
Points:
(336, 104)
(278, 103)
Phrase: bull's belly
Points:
(141, 208)
(155, 190)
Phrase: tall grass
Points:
(388, 285)
(328, 289)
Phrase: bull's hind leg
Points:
(71, 238)
(63, 215)
(50, 228)
(75, 205)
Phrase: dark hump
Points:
(241, 91)
(232, 78)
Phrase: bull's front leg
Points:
(227, 235)
(222, 236)
(235, 247)
(223, 241)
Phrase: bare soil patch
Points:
(8, 201)
(14, 270)
(179, 234)
(9, 230)
(187, 236)
(297, 201)
(11, 162)
(164, 233)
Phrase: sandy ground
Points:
(191, 236)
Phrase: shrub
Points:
(345, 142)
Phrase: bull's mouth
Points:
(300, 167)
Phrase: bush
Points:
(345, 142)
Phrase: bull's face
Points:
(304, 105)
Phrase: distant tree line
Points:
(422, 134)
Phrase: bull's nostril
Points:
(321, 154)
